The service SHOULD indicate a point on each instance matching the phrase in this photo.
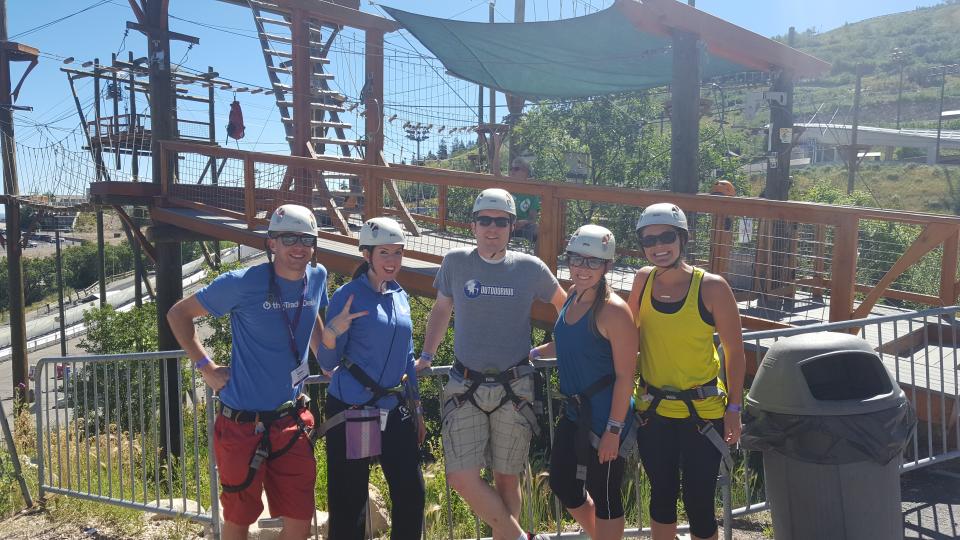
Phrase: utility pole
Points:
(854, 154)
(781, 121)
(685, 113)
(943, 86)
(153, 21)
(101, 248)
(10, 52)
(63, 322)
(897, 56)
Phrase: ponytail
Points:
(364, 267)
(603, 294)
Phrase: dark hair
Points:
(603, 294)
(364, 267)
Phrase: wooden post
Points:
(843, 278)
(948, 269)
(853, 158)
(169, 258)
(249, 184)
(685, 113)
(11, 183)
(819, 262)
(373, 122)
(781, 118)
(132, 125)
(550, 230)
(442, 206)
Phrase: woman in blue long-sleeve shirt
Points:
(372, 365)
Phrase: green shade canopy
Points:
(597, 54)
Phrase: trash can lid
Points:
(823, 374)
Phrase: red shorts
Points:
(288, 479)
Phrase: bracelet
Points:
(419, 410)
(733, 407)
(535, 353)
(613, 423)
(203, 362)
(333, 329)
(426, 356)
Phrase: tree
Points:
(442, 152)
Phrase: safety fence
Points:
(789, 263)
(101, 435)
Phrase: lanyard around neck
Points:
(291, 325)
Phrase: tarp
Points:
(597, 54)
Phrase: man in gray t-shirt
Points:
(490, 291)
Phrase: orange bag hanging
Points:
(235, 128)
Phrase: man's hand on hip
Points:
(215, 376)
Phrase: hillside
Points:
(925, 37)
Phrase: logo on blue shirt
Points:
(473, 289)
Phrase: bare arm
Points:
(559, 297)
(719, 300)
(181, 317)
(437, 325)
(615, 323)
(639, 280)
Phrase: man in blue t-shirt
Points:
(273, 311)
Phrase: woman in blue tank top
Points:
(595, 343)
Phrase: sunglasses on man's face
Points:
(292, 240)
(665, 238)
(578, 261)
(486, 221)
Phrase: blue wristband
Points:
(733, 407)
(535, 353)
(426, 356)
(202, 363)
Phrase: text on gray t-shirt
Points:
(491, 305)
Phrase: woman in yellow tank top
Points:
(681, 398)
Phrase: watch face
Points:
(614, 429)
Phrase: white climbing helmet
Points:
(381, 230)
(293, 218)
(495, 199)
(662, 214)
(593, 241)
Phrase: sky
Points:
(227, 42)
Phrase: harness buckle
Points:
(258, 457)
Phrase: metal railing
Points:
(103, 433)
(77, 425)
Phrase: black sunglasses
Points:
(486, 221)
(666, 237)
(292, 240)
(592, 263)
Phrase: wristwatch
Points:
(614, 427)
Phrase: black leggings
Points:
(347, 479)
(669, 446)
(603, 480)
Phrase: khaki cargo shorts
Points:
(474, 440)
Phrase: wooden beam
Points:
(137, 11)
(336, 217)
(844, 269)
(404, 213)
(948, 269)
(931, 237)
(721, 37)
(148, 248)
(373, 85)
(249, 202)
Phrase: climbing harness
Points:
(475, 378)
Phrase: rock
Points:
(378, 519)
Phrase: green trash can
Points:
(832, 424)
